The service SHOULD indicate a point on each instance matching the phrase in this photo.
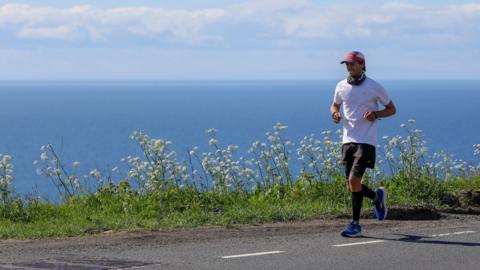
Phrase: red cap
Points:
(352, 57)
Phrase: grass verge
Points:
(120, 207)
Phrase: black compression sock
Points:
(357, 200)
(367, 192)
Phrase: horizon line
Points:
(220, 80)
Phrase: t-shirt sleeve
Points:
(383, 96)
(337, 99)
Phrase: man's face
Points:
(355, 69)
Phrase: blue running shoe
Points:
(380, 203)
(353, 230)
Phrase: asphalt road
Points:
(449, 243)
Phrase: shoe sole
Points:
(351, 236)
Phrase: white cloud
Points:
(401, 5)
(269, 9)
(266, 21)
(394, 21)
(472, 9)
(87, 22)
(60, 32)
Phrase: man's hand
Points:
(370, 116)
(337, 116)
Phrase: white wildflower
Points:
(211, 131)
(158, 143)
(6, 158)
(43, 156)
(232, 148)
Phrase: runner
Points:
(358, 95)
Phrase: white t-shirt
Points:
(356, 100)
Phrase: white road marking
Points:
(252, 254)
(143, 266)
(360, 243)
(454, 233)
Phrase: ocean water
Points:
(91, 122)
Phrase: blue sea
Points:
(91, 122)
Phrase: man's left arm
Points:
(389, 110)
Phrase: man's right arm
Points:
(335, 112)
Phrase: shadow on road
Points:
(409, 238)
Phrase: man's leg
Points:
(353, 229)
(355, 186)
(366, 154)
(358, 191)
(353, 173)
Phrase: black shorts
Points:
(357, 157)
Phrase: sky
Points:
(236, 40)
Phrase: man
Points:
(359, 97)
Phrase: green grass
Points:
(458, 184)
(121, 208)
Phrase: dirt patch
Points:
(404, 213)
(461, 211)
(463, 199)
(470, 198)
